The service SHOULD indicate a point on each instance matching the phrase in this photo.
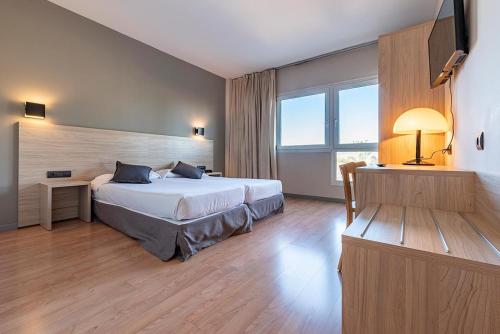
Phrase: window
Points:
(356, 124)
(303, 121)
(341, 119)
(345, 157)
(358, 115)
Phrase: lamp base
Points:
(417, 163)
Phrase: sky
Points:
(358, 117)
(299, 130)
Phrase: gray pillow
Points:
(188, 171)
(131, 174)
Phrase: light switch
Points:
(480, 142)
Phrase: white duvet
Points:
(255, 189)
(171, 198)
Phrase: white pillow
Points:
(100, 180)
(154, 175)
(167, 173)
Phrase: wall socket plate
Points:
(480, 142)
(54, 174)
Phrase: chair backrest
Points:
(347, 170)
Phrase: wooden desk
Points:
(420, 269)
(66, 207)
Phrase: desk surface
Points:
(425, 170)
(466, 236)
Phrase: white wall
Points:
(477, 90)
(308, 173)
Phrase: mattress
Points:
(255, 189)
(172, 198)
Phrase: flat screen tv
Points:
(447, 41)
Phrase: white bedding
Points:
(171, 198)
(255, 189)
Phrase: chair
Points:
(348, 172)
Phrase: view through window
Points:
(304, 122)
(357, 124)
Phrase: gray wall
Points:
(309, 173)
(91, 76)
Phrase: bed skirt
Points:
(267, 206)
(165, 239)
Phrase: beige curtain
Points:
(251, 143)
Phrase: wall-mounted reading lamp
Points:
(199, 131)
(34, 110)
(417, 121)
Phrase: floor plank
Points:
(80, 278)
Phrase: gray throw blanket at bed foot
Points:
(165, 239)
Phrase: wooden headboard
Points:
(88, 153)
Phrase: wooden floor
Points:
(280, 278)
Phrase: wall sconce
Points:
(199, 131)
(34, 110)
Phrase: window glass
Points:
(345, 157)
(303, 120)
(358, 115)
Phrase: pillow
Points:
(188, 171)
(131, 174)
(154, 175)
(100, 180)
(167, 173)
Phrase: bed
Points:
(263, 197)
(177, 217)
(171, 198)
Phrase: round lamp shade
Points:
(425, 119)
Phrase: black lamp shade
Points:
(34, 110)
(199, 131)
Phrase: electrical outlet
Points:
(480, 142)
(58, 174)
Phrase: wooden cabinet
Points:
(419, 258)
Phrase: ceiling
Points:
(234, 37)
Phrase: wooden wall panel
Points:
(451, 191)
(404, 84)
(488, 195)
(91, 152)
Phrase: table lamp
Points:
(418, 121)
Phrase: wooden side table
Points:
(46, 200)
(216, 174)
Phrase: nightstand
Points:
(216, 174)
(61, 200)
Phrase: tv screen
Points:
(447, 41)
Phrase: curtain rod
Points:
(351, 48)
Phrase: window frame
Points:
(337, 147)
(305, 148)
(368, 147)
